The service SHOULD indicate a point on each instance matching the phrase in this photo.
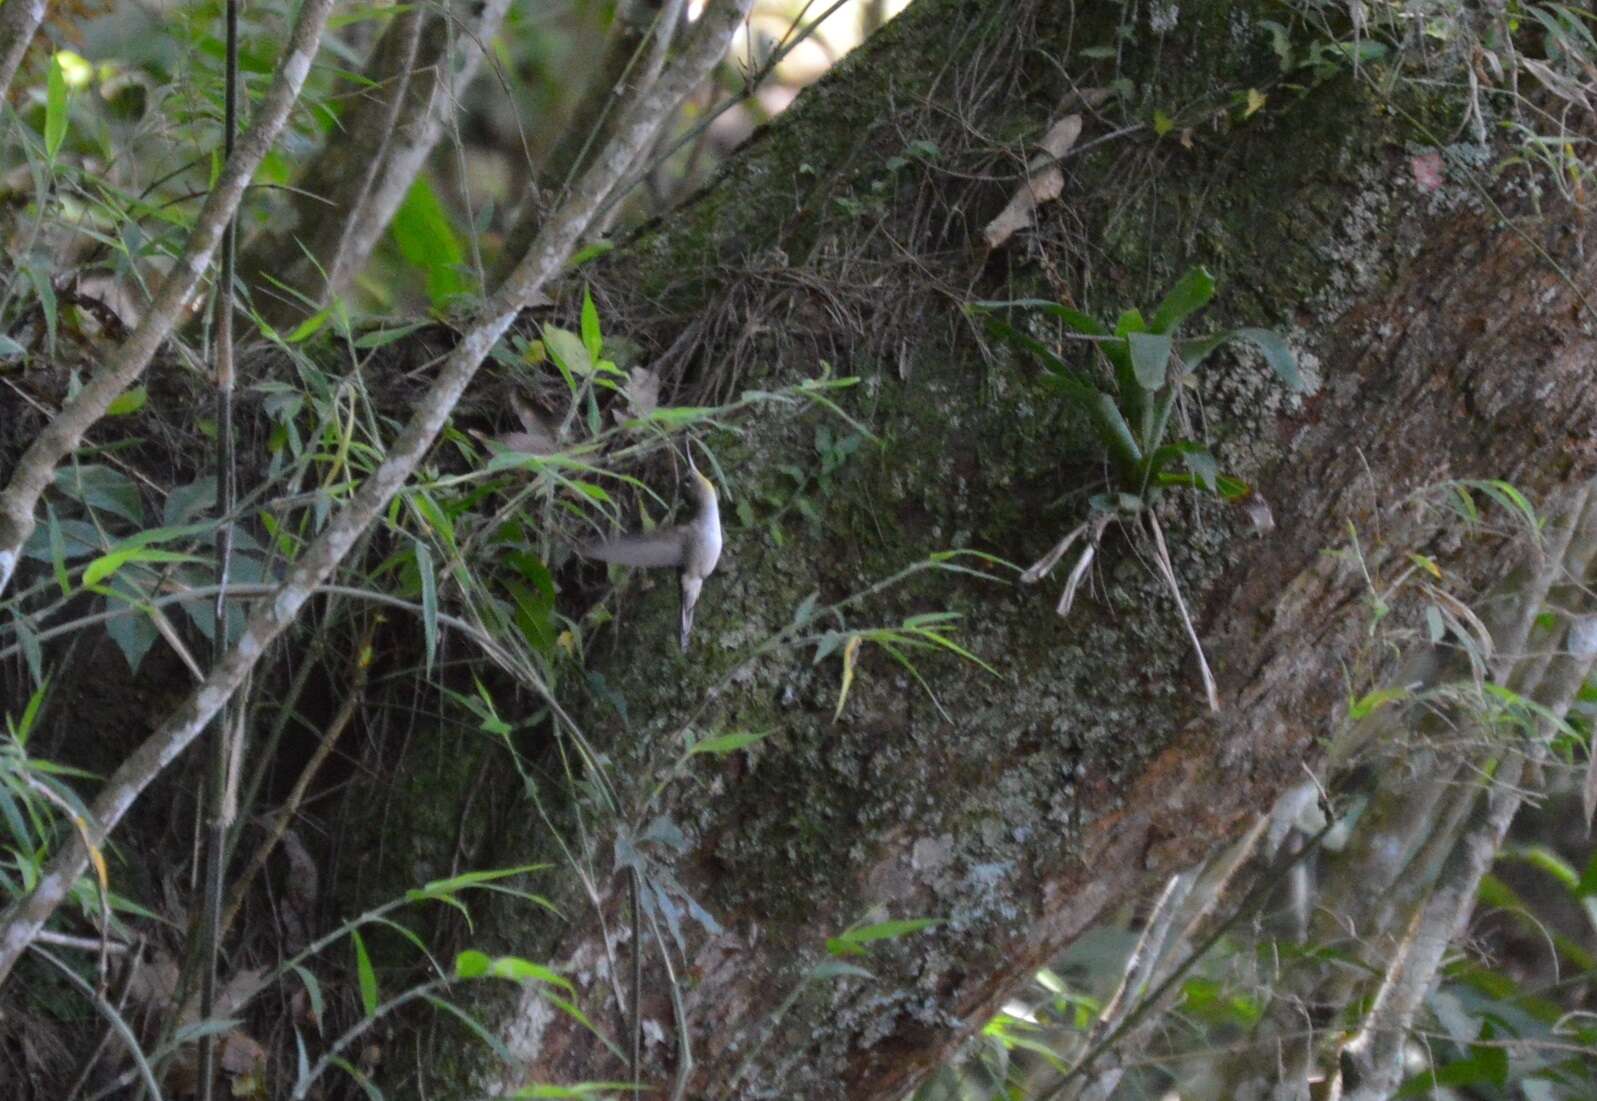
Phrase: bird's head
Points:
(705, 487)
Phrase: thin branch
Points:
(118, 1023)
(1372, 1063)
(209, 923)
(62, 435)
(353, 698)
(367, 190)
(630, 38)
(1168, 572)
(638, 125)
(19, 22)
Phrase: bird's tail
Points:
(690, 598)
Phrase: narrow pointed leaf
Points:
(1116, 432)
(1190, 294)
(429, 601)
(592, 339)
(55, 108)
(366, 977)
(1130, 321)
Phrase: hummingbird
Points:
(693, 548)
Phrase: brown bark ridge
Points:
(1446, 339)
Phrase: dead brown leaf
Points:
(1044, 183)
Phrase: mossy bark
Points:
(1443, 339)
(1016, 807)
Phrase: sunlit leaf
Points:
(366, 977)
(55, 108)
(722, 744)
(129, 401)
(592, 338)
(428, 242)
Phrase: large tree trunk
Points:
(1446, 339)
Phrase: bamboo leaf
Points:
(55, 108)
(429, 602)
(428, 242)
(129, 402)
(722, 744)
(850, 655)
(365, 976)
(592, 338)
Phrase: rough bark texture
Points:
(1445, 344)
(1445, 341)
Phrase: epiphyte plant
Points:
(1130, 402)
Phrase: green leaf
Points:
(55, 108)
(581, 1089)
(1277, 353)
(379, 337)
(1130, 321)
(1539, 856)
(429, 602)
(1080, 322)
(45, 289)
(1509, 498)
(313, 991)
(439, 888)
(422, 231)
(1084, 324)
(471, 964)
(433, 515)
(568, 351)
(838, 969)
(129, 402)
(1203, 467)
(364, 974)
(1065, 376)
(1372, 702)
(1190, 294)
(312, 324)
(850, 943)
(592, 339)
(587, 253)
(133, 635)
(1150, 358)
(722, 744)
(534, 614)
(21, 835)
(520, 970)
(675, 416)
(100, 487)
(58, 551)
(477, 1028)
(30, 714)
(107, 564)
(1115, 433)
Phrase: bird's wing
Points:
(659, 548)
